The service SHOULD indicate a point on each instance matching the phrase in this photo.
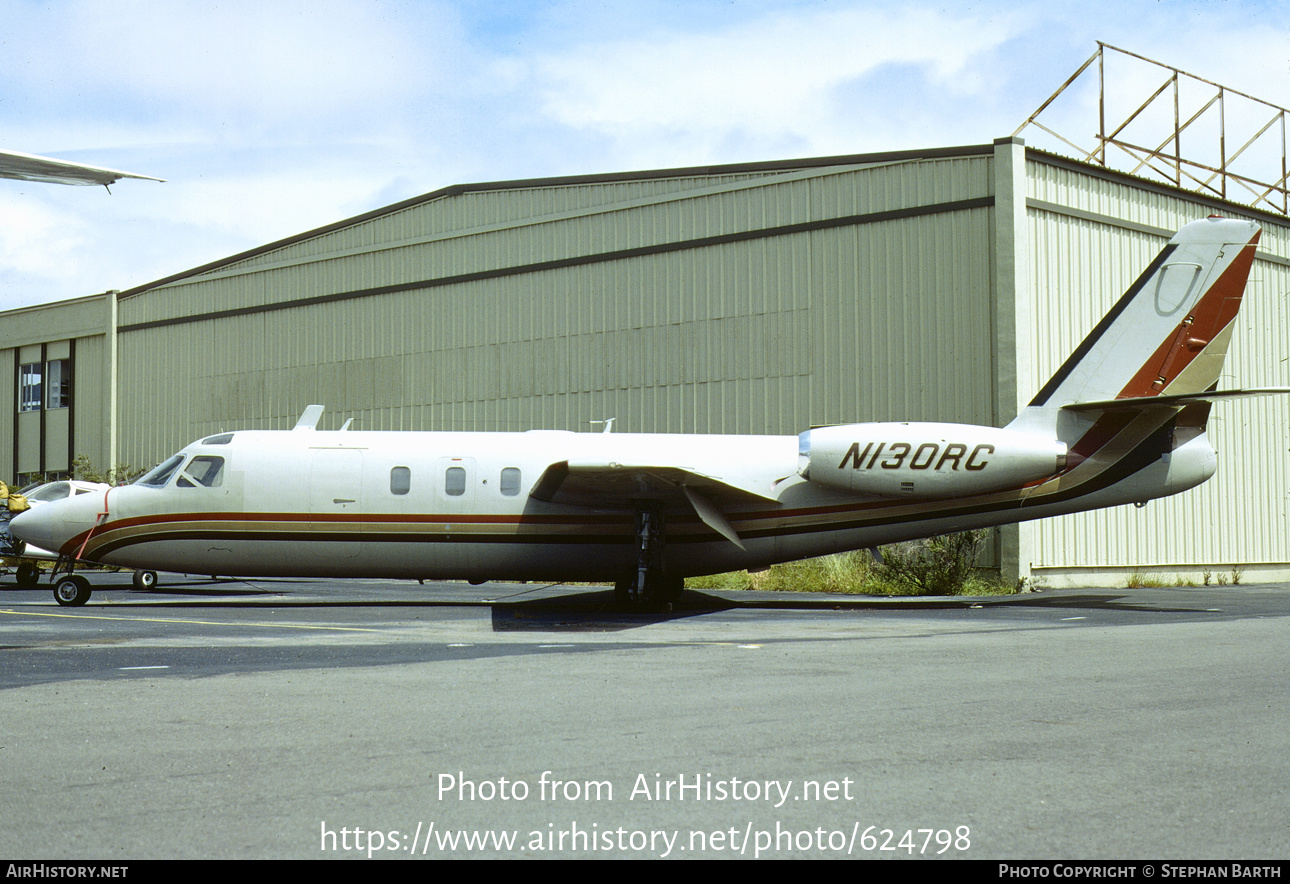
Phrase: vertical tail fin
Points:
(1168, 334)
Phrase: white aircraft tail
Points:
(1168, 334)
(1134, 398)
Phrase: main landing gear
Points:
(649, 587)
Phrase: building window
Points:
(48, 385)
(58, 386)
(29, 389)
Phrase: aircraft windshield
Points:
(160, 475)
(52, 491)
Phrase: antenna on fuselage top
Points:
(608, 425)
(309, 420)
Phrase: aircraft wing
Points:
(599, 484)
(29, 167)
(615, 485)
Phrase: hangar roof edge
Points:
(570, 180)
(1153, 184)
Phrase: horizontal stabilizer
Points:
(1139, 402)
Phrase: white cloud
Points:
(270, 118)
(41, 241)
(234, 67)
(772, 77)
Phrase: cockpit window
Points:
(160, 475)
(202, 470)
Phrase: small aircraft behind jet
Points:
(21, 555)
(1122, 421)
(30, 167)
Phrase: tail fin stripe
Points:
(1216, 308)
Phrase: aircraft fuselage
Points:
(461, 506)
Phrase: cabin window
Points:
(454, 482)
(29, 387)
(510, 481)
(160, 475)
(400, 480)
(205, 471)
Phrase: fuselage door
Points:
(335, 502)
(455, 495)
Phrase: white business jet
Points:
(1122, 421)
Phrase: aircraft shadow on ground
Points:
(1105, 602)
(595, 612)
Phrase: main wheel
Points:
(658, 592)
(144, 579)
(72, 591)
(27, 575)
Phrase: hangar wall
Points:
(764, 301)
(1089, 236)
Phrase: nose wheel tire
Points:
(144, 579)
(28, 575)
(72, 591)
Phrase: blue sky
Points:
(271, 117)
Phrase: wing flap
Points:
(625, 486)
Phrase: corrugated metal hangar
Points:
(936, 285)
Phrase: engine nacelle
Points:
(926, 459)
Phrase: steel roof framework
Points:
(1166, 159)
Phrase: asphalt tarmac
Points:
(316, 719)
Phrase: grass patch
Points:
(856, 573)
(1143, 581)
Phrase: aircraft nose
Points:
(51, 525)
(34, 528)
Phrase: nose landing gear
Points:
(72, 590)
